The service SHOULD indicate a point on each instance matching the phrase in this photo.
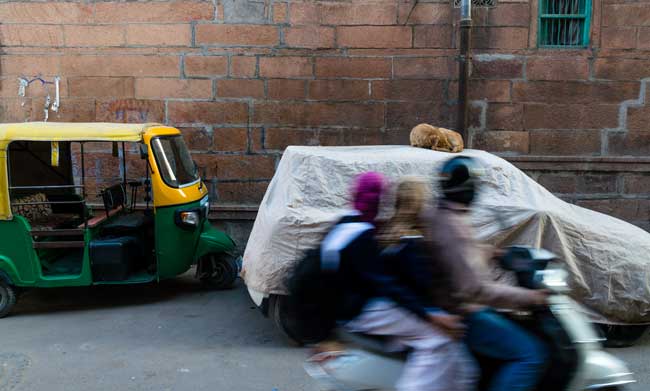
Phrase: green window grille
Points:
(564, 23)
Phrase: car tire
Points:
(622, 336)
(286, 320)
(218, 271)
(280, 312)
(7, 298)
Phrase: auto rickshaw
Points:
(55, 233)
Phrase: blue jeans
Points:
(494, 336)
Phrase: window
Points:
(564, 23)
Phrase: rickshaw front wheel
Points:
(218, 271)
(7, 298)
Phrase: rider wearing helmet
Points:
(460, 177)
(462, 284)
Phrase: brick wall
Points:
(245, 78)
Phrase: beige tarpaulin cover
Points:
(608, 259)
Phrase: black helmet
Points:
(459, 179)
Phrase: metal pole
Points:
(83, 184)
(83, 171)
(464, 69)
(124, 168)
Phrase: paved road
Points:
(173, 336)
(638, 358)
(168, 337)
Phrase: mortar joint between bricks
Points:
(483, 105)
(182, 66)
(511, 87)
(281, 32)
(193, 33)
(413, 36)
(249, 140)
(307, 87)
(263, 138)
(620, 183)
(210, 130)
(604, 142)
(625, 105)
(215, 16)
(251, 113)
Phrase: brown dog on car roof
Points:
(438, 139)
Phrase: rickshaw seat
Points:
(95, 221)
(125, 224)
(113, 198)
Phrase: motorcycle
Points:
(577, 361)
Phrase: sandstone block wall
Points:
(245, 78)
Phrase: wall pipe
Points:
(464, 70)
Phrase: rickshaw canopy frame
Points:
(62, 131)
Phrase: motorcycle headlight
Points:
(555, 279)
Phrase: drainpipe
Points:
(464, 69)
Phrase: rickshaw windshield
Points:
(174, 161)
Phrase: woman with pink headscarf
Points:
(375, 302)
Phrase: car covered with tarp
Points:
(608, 259)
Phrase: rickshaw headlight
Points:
(190, 218)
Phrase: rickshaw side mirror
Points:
(200, 170)
(201, 175)
(144, 151)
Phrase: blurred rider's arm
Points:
(449, 246)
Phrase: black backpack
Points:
(315, 294)
(313, 298)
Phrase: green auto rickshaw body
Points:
(116, 244)
(182, 248)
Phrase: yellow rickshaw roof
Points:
(72, 131)
(67, 131)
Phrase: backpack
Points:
(312, 299)
(313, 284)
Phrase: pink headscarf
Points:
(366, 194)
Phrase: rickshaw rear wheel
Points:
(218, 271)
(7, 298)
